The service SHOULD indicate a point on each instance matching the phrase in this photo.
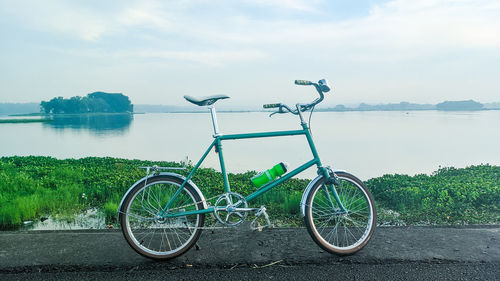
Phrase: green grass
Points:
(448, 196)
(31, 187)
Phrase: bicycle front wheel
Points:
(151, 234)
(334, 230)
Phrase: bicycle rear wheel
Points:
(335, 231)
(152, 235)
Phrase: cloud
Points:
(150, 14)
(435, 23)
(57, 17)
(297, 5)
(395, 30)
(210, 58)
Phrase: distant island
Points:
(459, 105)
(467, 105)
(97, 102)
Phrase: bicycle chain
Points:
(206, 201)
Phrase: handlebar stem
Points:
(300, 113)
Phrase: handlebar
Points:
(271, 105)
(321, 87)
(303, 82)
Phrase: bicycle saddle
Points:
(205, 100)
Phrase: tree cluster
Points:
(94, 102)
(459, 105)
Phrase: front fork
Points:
(331, 182)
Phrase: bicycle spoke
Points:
(338, 230)
(157, 235)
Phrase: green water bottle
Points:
(269, 175)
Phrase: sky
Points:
(156, 52)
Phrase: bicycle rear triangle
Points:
(163, 214)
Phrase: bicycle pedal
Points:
(255, 225)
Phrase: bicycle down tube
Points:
(217, 143)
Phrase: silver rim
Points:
(155, 235)
(337, 230)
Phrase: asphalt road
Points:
(310, 272)
(394, 253)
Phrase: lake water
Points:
(367, 144)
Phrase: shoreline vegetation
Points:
(24, 120)
(47, 118)
(72, 114)
(34, 187)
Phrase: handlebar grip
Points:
(303, 82)
(271, 105)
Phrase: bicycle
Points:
(162, 215)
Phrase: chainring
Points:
(224, 209)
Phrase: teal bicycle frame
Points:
(217, 143)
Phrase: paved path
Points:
(107, 249)
(308, 272)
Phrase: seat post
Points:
(214, 121)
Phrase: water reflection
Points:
(95, 123)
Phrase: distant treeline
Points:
(403, 106)
(159, 108)
(26, 108)
(94, 102)
(19, 108)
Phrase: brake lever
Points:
(271, 115)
